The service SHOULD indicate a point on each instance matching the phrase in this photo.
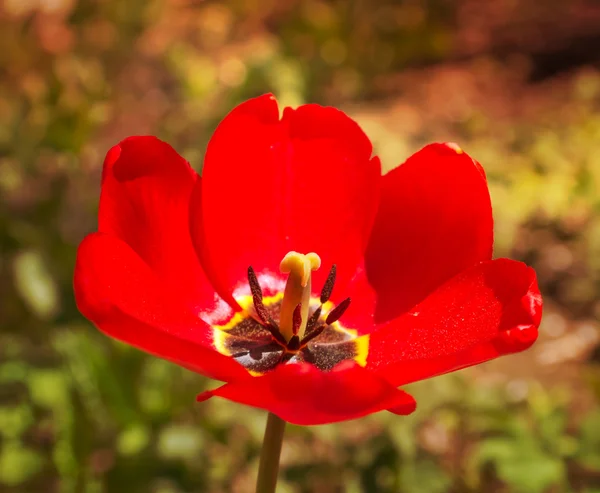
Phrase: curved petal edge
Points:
(305, 182)
(303, 395)
(434, 220)
(123, 297)
(490, 310)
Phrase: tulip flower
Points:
(297, 274)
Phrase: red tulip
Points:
(190, 268)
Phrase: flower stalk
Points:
(269, 456)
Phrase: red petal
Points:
(305, 183)
(146, 188)
(360, 314)
(487, 311)
(116, 290)
(434, 221)
(303, 395)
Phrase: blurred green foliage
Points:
(81, 413)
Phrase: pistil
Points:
(297, 292)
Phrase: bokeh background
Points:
(516, 84)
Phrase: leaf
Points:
(424, 475)
(35, 284)
(589, 436)
(18, 463)
(520, 463)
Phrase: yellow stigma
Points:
(297, 290)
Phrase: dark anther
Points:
(297, 319)
(254, 286)
(314, 318)
(257, 296)
(328, 286)
(272, 328)
(294, 343)
(315, 333)
(337, 312)
(261, 311)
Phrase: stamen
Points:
(337, 312)
(274, 330)
(315, 333)
(297, 319)
(261, 311)
(314, 318)
(294, 344)
(257, 296)
(254, 285)
(328, 286)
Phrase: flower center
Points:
(296, 329)
(289, 327)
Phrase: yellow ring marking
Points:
(246, 303)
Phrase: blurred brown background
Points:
(516, 84)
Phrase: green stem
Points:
(269, 457)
